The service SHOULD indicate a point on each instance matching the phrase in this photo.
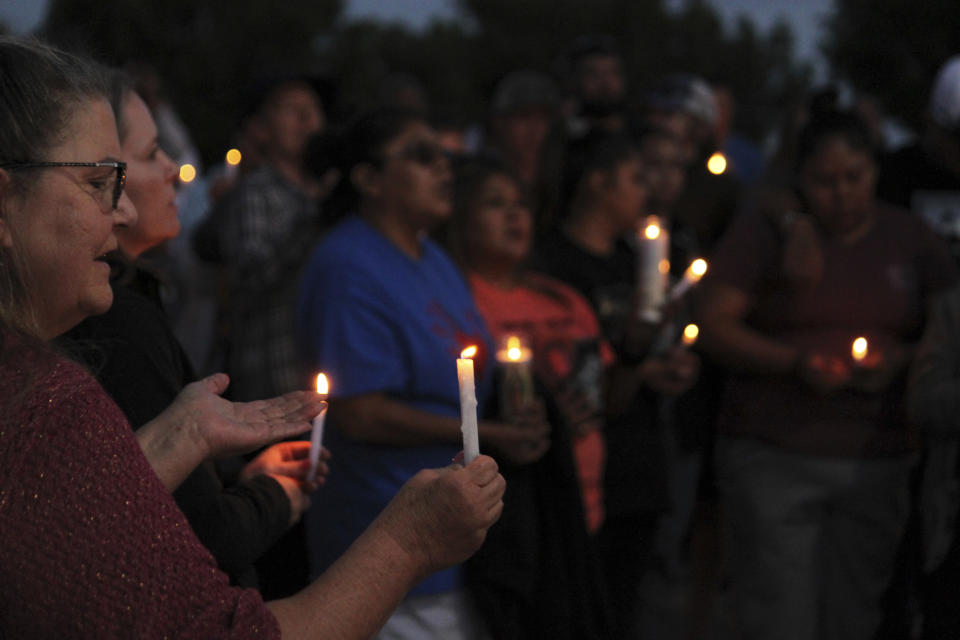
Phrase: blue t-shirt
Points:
(375, 320)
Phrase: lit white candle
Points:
(516, 388)
(468, 405)
(653, 269)
(231, 163)
(859, 350)
(316, 436)
(690, 277)
(690, 333)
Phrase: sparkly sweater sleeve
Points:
(91, 544)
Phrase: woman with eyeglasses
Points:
(141, 364)
(385, 314)
(92, 543)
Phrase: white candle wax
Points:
(316, 435)
(468, 406)
(653, 269)
(690, 277)
(316, 442)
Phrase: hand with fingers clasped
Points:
(440, 517)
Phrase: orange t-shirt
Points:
(558, 324)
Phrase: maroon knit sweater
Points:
(92, 544)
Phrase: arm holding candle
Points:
(439, 518)
(728, 338)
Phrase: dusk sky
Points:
(805, 17)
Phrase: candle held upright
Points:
(516, 388)
(653, 269)
(468, 405)
(316, 435)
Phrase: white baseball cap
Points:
(945, 96)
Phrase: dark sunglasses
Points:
(121, 168)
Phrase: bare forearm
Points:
(355, 596)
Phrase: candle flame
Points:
(717, 163)
(859, 349)
(323, 387)
(690, 333)
(514, 350)
(234, 157)
(698, 267)
(469, 352)
(652, 230)
(187, 173)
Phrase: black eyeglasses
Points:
(120, 167)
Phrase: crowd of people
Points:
(789, 474)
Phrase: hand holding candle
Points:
(468, 405)
(316, 436)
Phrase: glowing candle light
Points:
(717, 163)
(859, 349)
(653, 269)
(690, 334)
(316, 436)
(516, 389)
(187, 173)
(468, 405)
(690, 277)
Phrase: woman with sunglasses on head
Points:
(141, 364)
(385, 313)
(92, 543)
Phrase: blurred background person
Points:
(537, 574)
(384, 313)
(140, 363)
(815, 459)
(267, 226)
(605, 196)
(925, 176)
(525, 108)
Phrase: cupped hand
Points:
(290, 459)
(220, 428)
(824, 374)
(440, 517)
(879, 369)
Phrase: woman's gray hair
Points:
(40, 89)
